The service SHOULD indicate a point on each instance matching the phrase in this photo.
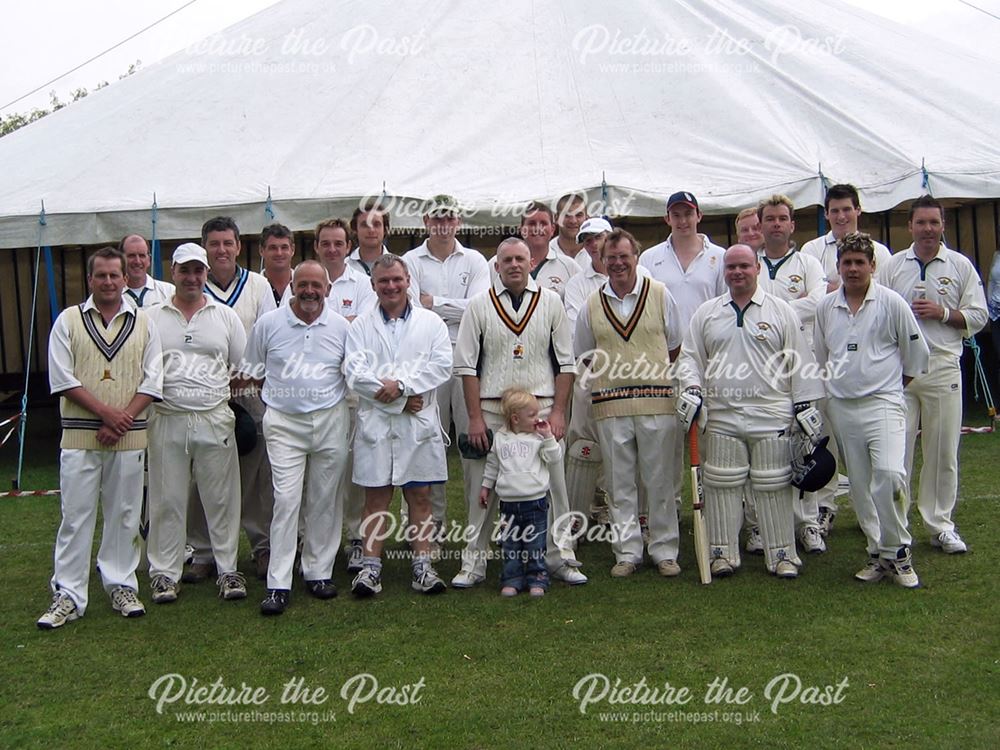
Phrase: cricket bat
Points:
(698, 504)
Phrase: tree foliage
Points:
(10, 123)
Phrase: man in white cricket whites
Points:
(516, 334)
(351, 295)
(633, 323)
(946, 295)
(298, 352)
(449, 275)
(140, 288)
(571, 213)
(550, 269)
(799, 280)
(398, 356)
(583, 456)
(748, 229)
(743, 373)
(869, 342)
(104, 363)
(690, 266)
(191, 435)
(277, 246)
(249, 295)
(370, 225)
(842, 208)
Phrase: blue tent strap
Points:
(155, 243)
(980, 379)
(269, 207)
(50, 273)
(925, 178)
(604, 193)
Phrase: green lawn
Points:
(915, 668)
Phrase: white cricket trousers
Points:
(86, 477)
(256, 496)
(310, 447)
(934, 405)
(200, 446)
(870, 432)
(481, 521)
(641, 451)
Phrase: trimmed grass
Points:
(921, 666)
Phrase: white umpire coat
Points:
(392, 446)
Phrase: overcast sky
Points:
(46, 38)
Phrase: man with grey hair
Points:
(398, 355)
(298, 353)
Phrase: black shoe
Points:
(275, 603)
(322, 589)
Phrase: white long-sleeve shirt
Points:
(518, 465)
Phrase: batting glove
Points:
(690, 408)
(809, 421)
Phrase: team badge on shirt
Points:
(347, 303)
(759, 330)
(518, 351)
(793, 283)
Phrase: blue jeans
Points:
(523, 544)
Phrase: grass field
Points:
(896, 668)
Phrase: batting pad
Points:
(770, 476)
(583, 467)
(725, 472)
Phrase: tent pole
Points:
(157, 264)
(23, 420)
(821, 211)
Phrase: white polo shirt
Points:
(582, 258)
(583, 338)
(351, 293)
(791, 276)
(948, 279)
(248, 294)
(554, 272)
(300, 363)
(868, 352)
(702, 280)
(153, 292)
(741, 359)
(824, 249)
(452, 282)
(199, 355)
(354, 261)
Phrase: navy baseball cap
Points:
(682, 198)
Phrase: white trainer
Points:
(812, 540)
(902, 570)
(125, 600)
(232, 586)
(355, 555)
(466, 580)
(873, 572)
(949, 542)
(427, 581)
(755, 544)
(61, 611)
(826, 518)
(571, 575)
(366, 583)
(164, 589)
(722, 568)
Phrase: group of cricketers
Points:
(293, 401)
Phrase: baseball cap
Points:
(682, 198)
(595, 225)
(442, 204)
(190, 251)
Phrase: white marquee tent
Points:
(322, 103)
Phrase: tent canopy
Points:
(501, 103)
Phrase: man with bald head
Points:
(737, 379)
(516, 334)
(297, 351)
(141, 289)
